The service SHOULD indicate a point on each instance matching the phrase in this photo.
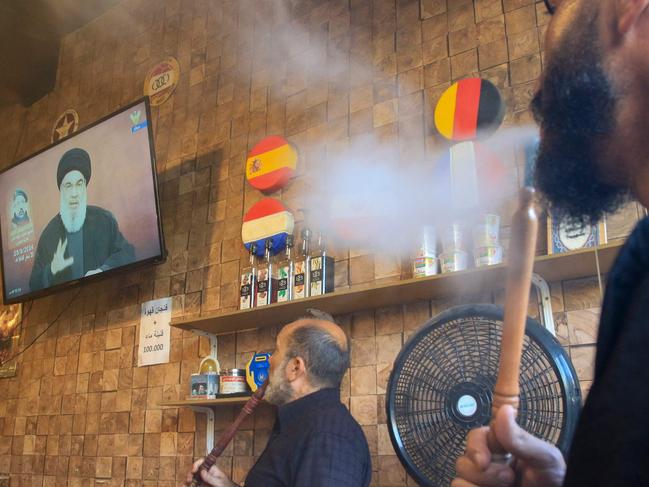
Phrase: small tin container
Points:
(489, 255)
(204, 386)
(453, 261)
(233, 381)
(424, 267)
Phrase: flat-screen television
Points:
(82, 208)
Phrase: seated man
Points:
(315, 441)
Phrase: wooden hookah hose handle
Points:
(228, 434)
(517, 292)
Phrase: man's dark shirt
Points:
(104, 247)
(315, 443)
(611, 444)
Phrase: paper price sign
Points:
(155, 333)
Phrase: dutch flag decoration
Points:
(267, 218)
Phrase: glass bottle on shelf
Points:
(321, 270)
(284, 274)
(300, 266)
(247, 292)
(265, 281)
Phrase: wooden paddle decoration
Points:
(517, 292)
(228, 434)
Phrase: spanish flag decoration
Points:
(470, 108)
(271, 163)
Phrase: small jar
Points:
(233, 381)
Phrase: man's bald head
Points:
(323, 346)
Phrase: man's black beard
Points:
(576, 109)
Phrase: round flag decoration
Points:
(267, 219)
(271, 163)
(470, 108)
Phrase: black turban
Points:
(74, 160)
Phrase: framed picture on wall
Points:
(566, 237)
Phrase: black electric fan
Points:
(442, 382)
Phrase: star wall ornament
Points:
(66, 124)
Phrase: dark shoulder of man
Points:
(336, 419)
(96, 214)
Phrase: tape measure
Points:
(257, 370)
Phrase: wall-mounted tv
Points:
(82, 208)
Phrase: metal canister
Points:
(425, 262)
(233, 381)
(454, 239)
(489, 255)
(453, 261)
(487, 232)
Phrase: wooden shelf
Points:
(557, 267)
(219, 401)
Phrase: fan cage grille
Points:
(465, 351)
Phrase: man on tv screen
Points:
(80, 240)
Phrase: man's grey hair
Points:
(325, 361)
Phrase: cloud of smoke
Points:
(365, 194)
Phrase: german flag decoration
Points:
(468, 109)
(271, 163)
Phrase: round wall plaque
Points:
(271, 163)
(66, 124)
(470, 108)
(161, 81)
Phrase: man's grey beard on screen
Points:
(73, 219)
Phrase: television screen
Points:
(85, 206)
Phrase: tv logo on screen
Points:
(135, 120)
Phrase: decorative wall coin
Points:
(271, 163)
(267, 218)
(468, 109)
(66, 124)
(161, 81)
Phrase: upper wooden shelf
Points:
(219, 401)
(557, 267)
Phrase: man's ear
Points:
(628, 14)
(295, 368)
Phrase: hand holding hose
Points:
(535, 463)
(213, 477)
(486, 461)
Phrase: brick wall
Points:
(80, 409)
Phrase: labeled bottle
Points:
(248, 278)
(300, 266)
(265, 281)
(284, 271)
(321, 270)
